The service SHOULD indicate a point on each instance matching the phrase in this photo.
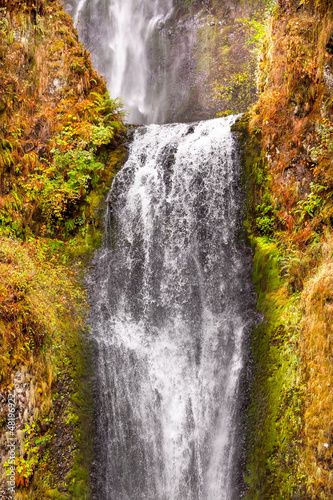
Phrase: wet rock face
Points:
(31, 410)
(206, 47)
(299, 173)
(328, 67)
(23, 401)
(180, 54)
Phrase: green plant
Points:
(3, 21)
(109, 107)
(265, 218)
(236, 89)
(325, 143)
(313, 202)
(256, 26)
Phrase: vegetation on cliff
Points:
(60, 146)
(288, 137)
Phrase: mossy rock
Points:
(56, 495)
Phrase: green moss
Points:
(275, 412)
(260, 211)
(80, 416)
(55, 495)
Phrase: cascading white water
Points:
(172, 301)
(125, 31)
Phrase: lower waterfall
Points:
(172, 304)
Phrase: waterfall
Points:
(172, 301)
(150, 52)
(123, 34)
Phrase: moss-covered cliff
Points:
(288, 170)
(60, 146)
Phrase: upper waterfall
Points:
(126, 33)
